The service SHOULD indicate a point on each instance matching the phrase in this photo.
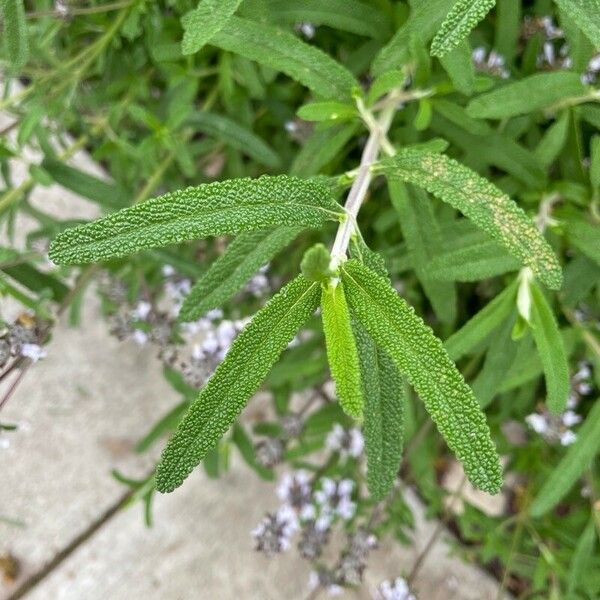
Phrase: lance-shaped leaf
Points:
(283, 51)
(383, 427)
(236, 379)
(341, 349)
(210, 209)
(14, 32)
(586, 13)
(551, 350)
(488, 207)
(231, 271)
(535, 92)
(462, 18)
(420, 356)
(203, 22)
(572, 466)
(479, 327)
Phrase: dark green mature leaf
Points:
(15, 32)
(201, 24)
(283, 51)
(235, 135)
(586, 13)
(383, 393)
(231, 271)
(479, 327)
(420, 356)
(551, 350)
(341, 349)
(487, 206)
(211, 209)
(236, 379)
(462, 18)
(535, 92)
(572, 466)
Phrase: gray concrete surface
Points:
(80, 411)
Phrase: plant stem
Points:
(359, 188)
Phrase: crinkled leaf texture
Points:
(462, 18)
(420, 356)
(341, 349)
(196, 212)
(236, 379)
(15, 32)
(487, 206)
(231, 271)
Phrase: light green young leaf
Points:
(472, 263)
(327, 111)
(283, 51)
(535, 92)
(479, 327)
(231, 271)
(572, 466)
(385, 83)
(460, 68)
(210, 209)
(203, 22)
(345, 15)
(236, 379)
(383, 428)
(315, 264)
(341, 349)
(488, 207)
(420, 356)
(586, 13)
(464, 16)
(235, 135)
(15, 32)
(551, 350)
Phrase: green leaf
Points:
(474, 262)
(586, 13)
(315, 264)
(385, 83)
(460, 68)
(195, 212)
(462, 18)
(202, 23)
(488, 207)
(554, 140)
(15, 33)
(595, 164)
(341, 349)
(383, 428)
(327, 111)
(236, 136)
(283, 51)
(231, 271)
(572, 466)
(585, 237)
(479, 327)
(551, 350)
(535, 92)
(236, 379)
(240, 438)
(581, 557)
(420, 356)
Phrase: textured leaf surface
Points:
(535, 92)
(203, 22)
(236, 379)
(341, 349)
(420, 356)
(462, 18)
(315, 263)
(231, 271)
(236, 136)
(572, 466)
(586, 13)
(283, 51)
(479, 327)
(551, 350)
(211, 209)
(383, 427)
(487, 206)
(15, 32)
